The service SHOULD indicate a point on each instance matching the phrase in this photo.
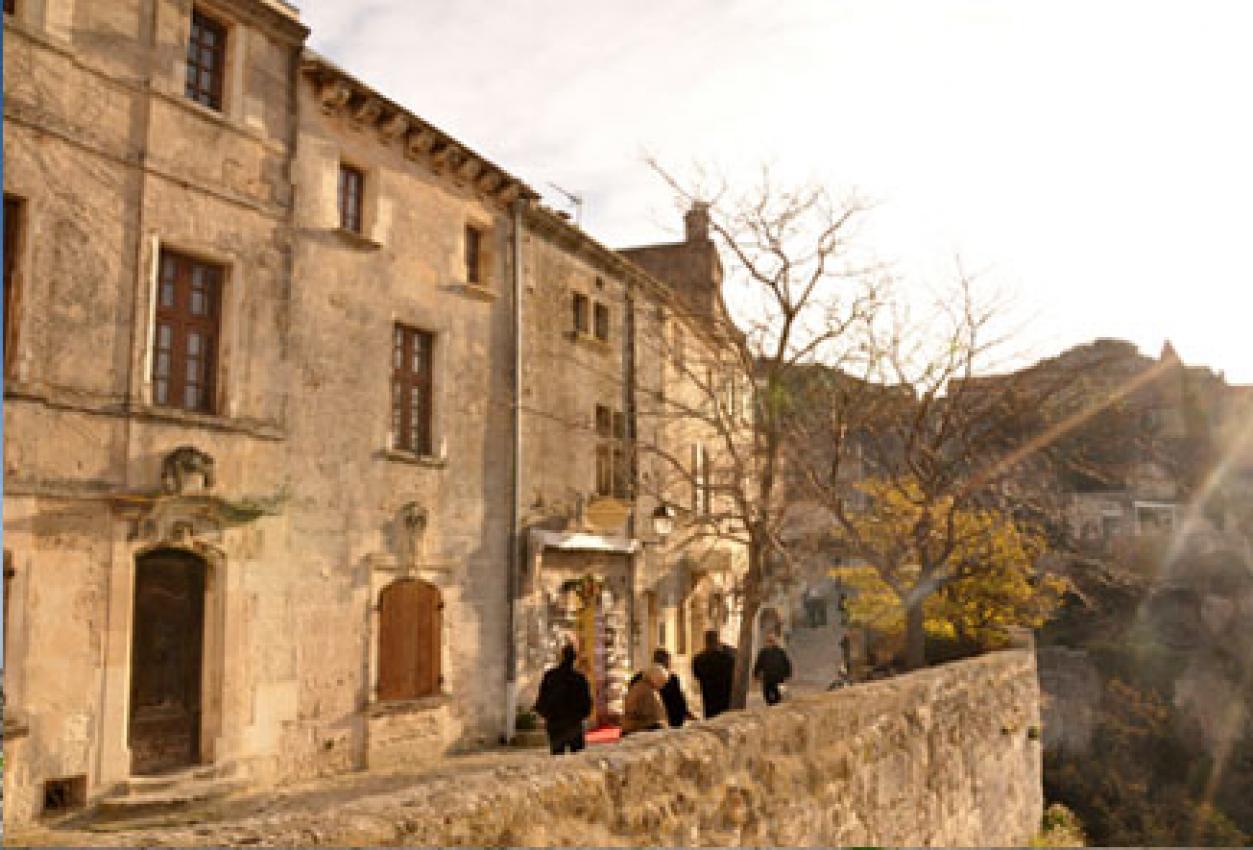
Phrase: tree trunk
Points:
(748, 623)
(915, 637)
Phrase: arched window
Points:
(410, 616)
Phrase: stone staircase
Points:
(141, 797)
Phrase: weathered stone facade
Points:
(289, 549)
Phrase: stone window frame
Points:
(351, 217)
(581, 313)
(207, 326)
(406, 336)
(384, 571)
(226, 392)
(477, 278)
(212, 27)
(600, 320)
(437, 325)
(234, 61)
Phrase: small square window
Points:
(351, 196)
(602, 322)
(10, 7)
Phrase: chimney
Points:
(696, 221)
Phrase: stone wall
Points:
(948, 756)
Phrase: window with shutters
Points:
(410, 636)
(206, 60)
(185, 339)
(351, 197)
(412, 378)
(12, 247)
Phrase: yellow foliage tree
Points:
(971, 571)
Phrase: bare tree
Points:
(798, 292)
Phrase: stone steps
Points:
(142, 797)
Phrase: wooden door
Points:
(166, 662)
(410, 622)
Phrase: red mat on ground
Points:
(604, 735)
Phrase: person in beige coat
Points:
(643, 709)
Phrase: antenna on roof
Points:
(577, 200)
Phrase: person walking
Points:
(643, 710)
(671, 693)
(773, 667)
(714, 669)
(564, 700)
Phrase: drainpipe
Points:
(515, 469)
(628, 403)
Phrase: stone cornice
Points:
(337, 91)
(273, 16)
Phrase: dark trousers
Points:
(564, 740)
(771, 693)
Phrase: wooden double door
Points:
(167, 662)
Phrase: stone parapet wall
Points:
(947, 756)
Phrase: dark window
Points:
(206, 60)
(10, 6)
(612, 466)
(12, 229)
(351, 192)
(580, 314)
(602, 322)
(9, 573)
(184, 363)
(474, 247)
(411, 390)
(410, 615)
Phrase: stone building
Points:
(320, 431)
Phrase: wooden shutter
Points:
(410, 625)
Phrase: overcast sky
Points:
(1095, 159)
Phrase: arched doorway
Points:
(167, 661)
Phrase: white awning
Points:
(582, 541)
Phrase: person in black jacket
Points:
(672, 693)
(564, 700)
(773, 667)
(714, 668)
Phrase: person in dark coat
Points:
(564, 700)
(774, 668)
(672, 693)
(714, 669)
